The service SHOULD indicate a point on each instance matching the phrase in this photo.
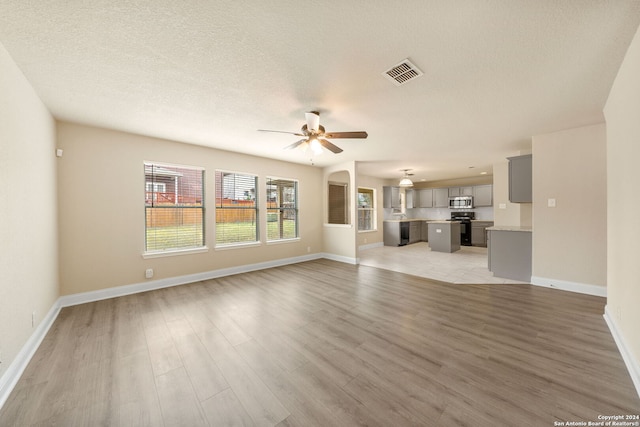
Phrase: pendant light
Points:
(405, 181)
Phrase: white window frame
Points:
(171, 251)
(372, 209)
(222, 191)
(280, 209)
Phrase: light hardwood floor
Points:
(323, 343)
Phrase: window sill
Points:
(280, 241)
(367, 231)
(174, 252)
(338, 225)
(236, 246)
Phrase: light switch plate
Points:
(551, 203)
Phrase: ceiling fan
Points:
(315, 136)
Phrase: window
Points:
(174, 207)
(236, 208)
(366, 209)
(282, 209)
(338, 213)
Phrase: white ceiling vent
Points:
(402, 73)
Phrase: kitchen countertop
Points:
(406, 220)
(510, 228)
(433, 220)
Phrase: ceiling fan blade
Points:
(295, 144)
(329, 146)
(358, 134)
(281, 131)
(313, 120)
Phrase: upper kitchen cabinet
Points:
(520, 179)
(411, 198)
(425, 198)
(391, 197)
(440, 197)
(460, 191)
(483, 195)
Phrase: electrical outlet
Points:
(148, 273)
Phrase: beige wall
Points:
(339, 241)
(28, 210)
(570, 240)
(101, 195)
(459, 182)
(623, 187)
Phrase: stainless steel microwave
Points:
(461, 202)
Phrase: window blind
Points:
(174, 207)
(236, 208)
(338, 203)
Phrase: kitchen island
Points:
(444, 236)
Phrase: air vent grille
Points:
(402, 73)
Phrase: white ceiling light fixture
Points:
(315, 146)
(406, 181)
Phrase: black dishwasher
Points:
(404, 233)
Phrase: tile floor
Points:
(468, 265)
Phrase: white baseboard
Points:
(11, 376)
(119, 291)
(341, 258)
(581, 288)
(371, 246)
(633, 365)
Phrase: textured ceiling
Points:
(213, 72)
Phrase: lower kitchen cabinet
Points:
(510, 253)
(425, 231)
(393, 233)
(479, 232)
(415, 231)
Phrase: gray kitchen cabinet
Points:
(415, 231)
(440, 197)
(444, 236)
(391, 197)
(510, 254)
(483, 195)
(520, 179)
(425, 198)
(425, 231)
(460, 191)
(479, 232)
(391, 233)
(411, 198)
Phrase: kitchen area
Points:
(449, 233)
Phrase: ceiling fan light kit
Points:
(315, 136)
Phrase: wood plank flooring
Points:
(323, 343)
